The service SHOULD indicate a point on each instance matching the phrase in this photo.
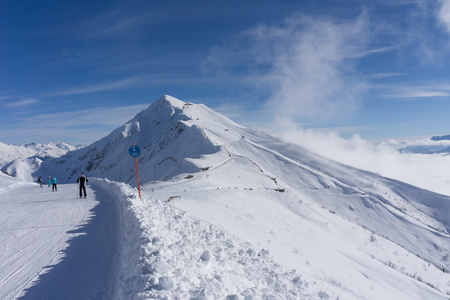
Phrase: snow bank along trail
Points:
(169, 254)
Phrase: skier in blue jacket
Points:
(54, 182)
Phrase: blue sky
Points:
(75, 70)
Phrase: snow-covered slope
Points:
(6, 180)
(23, 168)
(358, 234)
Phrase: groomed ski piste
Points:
(235, 215)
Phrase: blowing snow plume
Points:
(306, 66)
(312, 74)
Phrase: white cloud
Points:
(305, 67)
(384, 75)
(312, 71)
(443, 14)
(423, 91)
(424, 94)
(429, 171)
(22, 102)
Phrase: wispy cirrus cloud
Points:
(420, 94)
(377, 51)
(20, 102)
(384, 75)
(77, 126)
(106, 116)
(99, 87)
(123, 22)
(422, 91)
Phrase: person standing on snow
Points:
(82, 180)
(49, 181)
(54, 182)
(40, 181)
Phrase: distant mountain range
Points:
(21, 160)
(442, 145)
(426, 149)
(440, 138)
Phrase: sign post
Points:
(134, 152)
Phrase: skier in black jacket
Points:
(40, 181)
(82, 180)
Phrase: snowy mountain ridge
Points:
(354, 234)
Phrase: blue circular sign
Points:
(134, 151)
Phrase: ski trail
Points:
(88, 267)
(55, 245)
(35, 222)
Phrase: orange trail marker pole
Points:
(134, 152)
(137, 173)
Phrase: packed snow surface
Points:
(41, 231)
(226, 213)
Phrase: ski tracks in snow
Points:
(55, 245)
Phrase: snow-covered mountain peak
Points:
(170, 101)
(169, 132)
(164, 106)
(166, 111)
(170, 117)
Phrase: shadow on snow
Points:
(89, 264)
